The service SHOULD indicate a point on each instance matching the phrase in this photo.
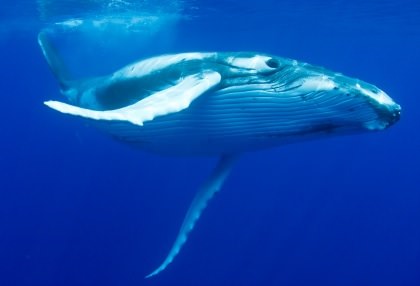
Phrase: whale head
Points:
(385, 111)
(309, 100)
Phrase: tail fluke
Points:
(206, 192)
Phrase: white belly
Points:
(222, 123)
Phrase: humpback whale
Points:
(219, 104)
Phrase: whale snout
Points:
(386, 116)
(388, 112)
(392, 114)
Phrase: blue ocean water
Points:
(78, 208)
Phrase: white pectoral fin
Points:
(205, 193)
(170, 100)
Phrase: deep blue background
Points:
(77, 208)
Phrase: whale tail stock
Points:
(54, 61)
(69, 86)
(212, 185)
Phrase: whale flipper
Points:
(213, 184)
(167, 101)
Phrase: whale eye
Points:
(272, 63)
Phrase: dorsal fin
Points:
(213, 184)
(54, 61)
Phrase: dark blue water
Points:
(78, 208)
